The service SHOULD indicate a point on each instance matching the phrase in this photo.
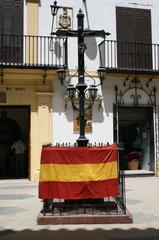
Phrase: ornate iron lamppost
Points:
(81, 86)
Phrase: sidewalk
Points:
(20, 206)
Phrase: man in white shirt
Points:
(19, 149)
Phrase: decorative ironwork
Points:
(88, 102)
(107, 206)
(135, 87)
(81, 87)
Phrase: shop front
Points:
(135, 125)
(136, 133)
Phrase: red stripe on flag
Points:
(78, 190)
(63, 155)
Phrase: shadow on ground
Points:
(81, 234)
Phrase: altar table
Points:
(78, 172)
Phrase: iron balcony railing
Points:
(51, 52)
(36, 51)
(129, 56)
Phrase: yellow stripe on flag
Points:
(78, 172)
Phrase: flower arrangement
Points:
(135, 155)
(134, 158)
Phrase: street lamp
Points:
(54, 9)
(61, 73)
(81, 86)
(101, 74)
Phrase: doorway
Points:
(14, 141)
(136, 133)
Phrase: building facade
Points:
(26, 89)
(126, 108)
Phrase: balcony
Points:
(51, 52)
(129, 57)
(33, 51)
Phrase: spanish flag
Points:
(78, 172)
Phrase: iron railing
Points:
(107, 206)
(40, 51)
(131, 56)
(48, 51)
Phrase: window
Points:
(134, 38)
(11, 30)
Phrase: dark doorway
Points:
(137, 137)
(14, 141)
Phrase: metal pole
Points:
(81, 86)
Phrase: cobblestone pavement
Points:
(20, 206)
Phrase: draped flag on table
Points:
(78, 172)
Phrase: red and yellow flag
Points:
(78, 173)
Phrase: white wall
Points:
(102, 120)
(101, 15)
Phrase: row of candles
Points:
(95, 144)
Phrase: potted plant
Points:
(134, 158)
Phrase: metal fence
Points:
(107, 206)
(25, 50)
(42, 51)
(132, 56)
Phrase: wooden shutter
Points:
(134, 38)
(11, 31)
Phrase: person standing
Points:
(9, 131)
(19, 149)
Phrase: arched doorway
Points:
(134, 118)
(136, 135)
